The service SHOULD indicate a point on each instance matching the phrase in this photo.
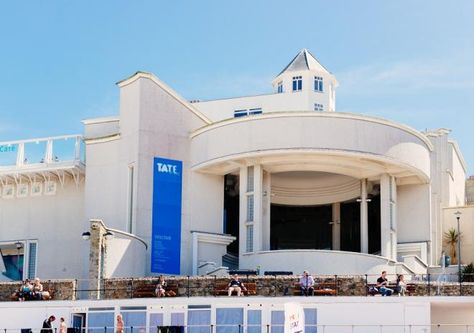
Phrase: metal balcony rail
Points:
(265, 328)
(48, 150)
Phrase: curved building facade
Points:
(278, 182)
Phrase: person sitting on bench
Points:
(382, 283)
(306, 284)
(160, 287)
(236, 285)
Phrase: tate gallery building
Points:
(278, 182)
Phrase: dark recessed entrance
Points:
(300, 227)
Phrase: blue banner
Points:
(166, 216)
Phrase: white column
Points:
(364, 218)
(393, 201)
(336, 226)
(388, 225)
(195, 253)
(266, 211)
(48, 156)
(20, 155)
(242, 209)
(258, 208)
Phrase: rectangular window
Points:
(249, 245)
(318, 83)
(297, 83)
(11, 260)
(177, 319)
(318, 107)
(250, 208)
(280, 87)
(156, 319)
(137, 319)
(98, 322)
(199, 321)
(255, 111)
(250, 177)
(240, 113)
(254, 321)
(278, 322)
(311, 321)
(229, 319)
(130, 198)
(32, 255)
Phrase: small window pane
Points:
(278, 321)
(250, 208)
(177, 319)
(310, 318)
(254, 321)
(229, 319)
(156, 319)
(97, 321)
(249, 244)
(199, 321)
(135, 319)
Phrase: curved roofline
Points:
(323, 114)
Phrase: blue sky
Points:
(409, 61)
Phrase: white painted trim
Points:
(221, 239)
(321, 114)
(344, 153)
(457, 150)
(322, 251)
(167, 89)
(101, 120)
(103, 139)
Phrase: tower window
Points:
(247, 112)
(297, 83)
(318, 83)
(255, 111)
(318, 107)
(240, 113)
(280, 87)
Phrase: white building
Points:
(280, 181)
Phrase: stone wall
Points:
(270, 286)
(63, 289)
(120, 288)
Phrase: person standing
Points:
(62, 325)
(120, 324)
(306, 284)
(47, 325)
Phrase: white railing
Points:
(21, 153)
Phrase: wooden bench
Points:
(48, 294)
(411, 289)
(148, 290)
(320, 289)
(222, 289)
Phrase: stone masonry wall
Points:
(63, 289)
(271, 286)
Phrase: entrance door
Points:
(78, 321)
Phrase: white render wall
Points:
(56, 221)
(413, 213)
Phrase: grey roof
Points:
(304, 60)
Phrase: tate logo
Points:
(167, 168)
